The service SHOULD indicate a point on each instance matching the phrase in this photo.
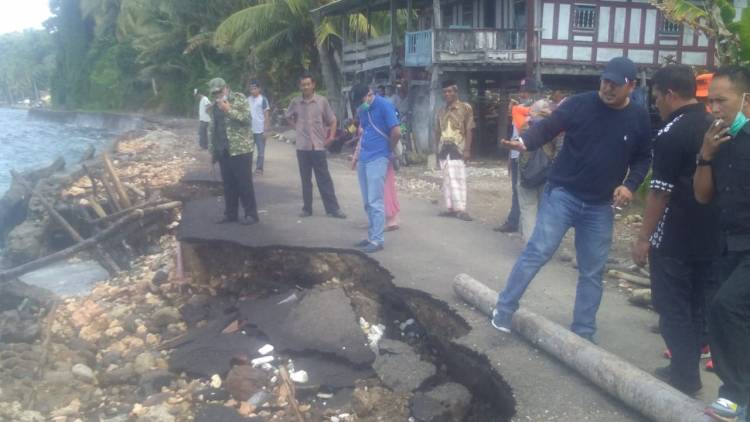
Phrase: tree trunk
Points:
(330, 77)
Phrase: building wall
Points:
(631, 28)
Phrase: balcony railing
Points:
(467, 45)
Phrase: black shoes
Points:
(245, 221)
(337, 214)
(664, 373)
(305, 214)
(248, 220)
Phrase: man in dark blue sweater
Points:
(605, 156)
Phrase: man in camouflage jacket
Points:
(232, 147)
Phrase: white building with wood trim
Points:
(489, 45)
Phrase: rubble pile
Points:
(153, 345)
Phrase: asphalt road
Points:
(427, 253)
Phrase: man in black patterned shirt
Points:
(679, 235)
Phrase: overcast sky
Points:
(17, 15)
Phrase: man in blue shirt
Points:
(607, 137)
(381, 132)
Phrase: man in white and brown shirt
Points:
(315, 123)
(453, 133)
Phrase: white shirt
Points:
(258, 106)
(202, 112)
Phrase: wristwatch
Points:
(699, 161)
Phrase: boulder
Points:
(244, 381)
(445, 403)
(26, 242)
(83, 372)
(400, 367)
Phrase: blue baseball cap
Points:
(620, 70)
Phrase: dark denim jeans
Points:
(559, 211)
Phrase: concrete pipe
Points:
(634, 387)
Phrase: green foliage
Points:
(151, 54)
(26, 64)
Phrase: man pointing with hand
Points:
(605, 156)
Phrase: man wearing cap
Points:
(315, 123)
(260, 116)
(232, 147)
(606, 139)
(722, 176)
(453, 125)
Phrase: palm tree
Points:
(273, 26)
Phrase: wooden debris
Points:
(640, 297)
(642, 281)
(102, 256)
(124, 200)
(88, 243)
(289, 385)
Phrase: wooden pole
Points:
(109, 190)
(290, 389)
(88, 243)
(636, 388)
(124, 200)
(118, 214)
(103, 257)
(530, 43)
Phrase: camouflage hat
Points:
(216, 85)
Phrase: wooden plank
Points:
(124, 200)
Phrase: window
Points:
(669, 27)
(584, 17)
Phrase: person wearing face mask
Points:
(722, 177)
(381, 131)
(604, 158)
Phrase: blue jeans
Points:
(260, 147)
(560, 210)
(371, 182)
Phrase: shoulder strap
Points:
(369, 116)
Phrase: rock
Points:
(165, 316)
(380, 402)
(153, 381)
(244, 381)
(400, 368)
(160, 277)
(13, 292)
(220, 413)
(331, 373)
(117, 376)
(144, 363)
(212, 394)
(444, 403)
(83, 372)
(158, 413)
(211, 355)
(25, 242)
(71, 409)
(321, 320)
